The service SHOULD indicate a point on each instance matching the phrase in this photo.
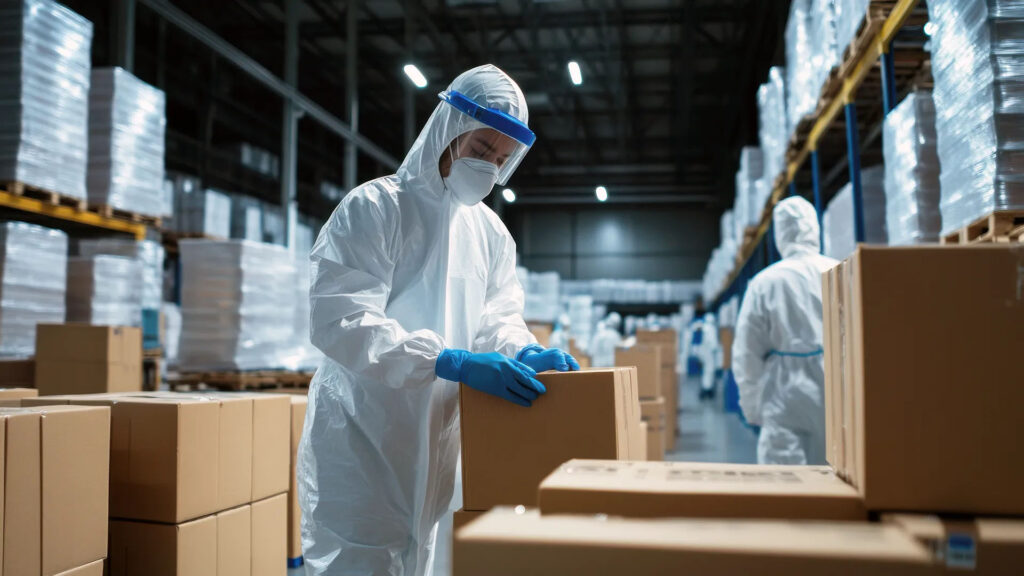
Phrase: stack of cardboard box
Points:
(198, 482)
(922, 365)
(84, 359)
(18, 373)
(668, 341)
(541, 331)
(298, 419)
(507, 450)
(647, 361)
(54, 465)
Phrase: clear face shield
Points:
(490, 135)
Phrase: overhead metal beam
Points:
(124, 34)
(229, 52)
(616, 199)
(352, 90)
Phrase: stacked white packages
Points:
(978, 65)
(44, 96)
(149, 253)
(912, 172)
(720, 265)
(273, 224)
(203, 212)
(581, 316)
(33, 265)
(172, 332)
(727, 227)
(824, 44)
(801, 94)
(105, 290)
(542, 293)
(849, 15)
(840, 234)
(307, 356)
(745, 209)
(772, 130)
(237, 306)
(126, 143)
(246, 218)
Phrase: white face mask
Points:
(471, 180)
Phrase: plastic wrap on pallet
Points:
(849, 15)
(149, 253)
(246, 218)
(839, 230)
(105, 290)
(978, 66)
(202, 212)
(172, 332)
(44, 96)
(801, 97)
(747, 213)
(542, 291)
(306, 355)
(273, 224)
(33, 264)
(727, 226)
(911, 172)
(772, 130)
(126, 142)
(237, 306)
(825, 50)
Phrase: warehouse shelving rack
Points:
(47, 207)
(805, 146)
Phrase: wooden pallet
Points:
(829, 90)
(248, 380)
(997, 227)
(111, 212)
(153, 352)
(872, 22)
(51, 198)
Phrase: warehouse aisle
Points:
(708, 433)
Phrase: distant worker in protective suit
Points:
(607, 337)
(414, 290)
(709, 355)
(778, 357)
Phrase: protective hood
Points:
(796, 227)
(486, 85)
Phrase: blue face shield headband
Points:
(497, 120)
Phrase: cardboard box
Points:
(699, 490)
(186, 549)
(270, 536)
(462, 517)
(670, 391)
(982, 546)
(930, 341)
(55, 478)
(507, 449)
(298, 419)
(84, 359)
(640, 453)
(17, 393)
(90, 569)
(234, 542)
(666, 339)
(17, 373)
(542, 332)
(653, 414)
(248, 540)
(647, 360)
(503, 543)
(174, 459)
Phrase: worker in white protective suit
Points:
(778, 356)
(607, 337)
(708, 354)
(414, 290)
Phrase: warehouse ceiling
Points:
(668, 95)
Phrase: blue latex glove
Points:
(492, 373)
(542, 359)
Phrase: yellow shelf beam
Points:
(70, 214)
(847, 94)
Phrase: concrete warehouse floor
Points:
(707, 434)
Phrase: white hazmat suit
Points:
(708, 354)
(602, 345)
(401, 272)
(778, 357)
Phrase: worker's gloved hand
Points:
(492, 373)
(542, 359)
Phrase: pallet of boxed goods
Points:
(999, 226)
(243, 380)
(16, 188)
